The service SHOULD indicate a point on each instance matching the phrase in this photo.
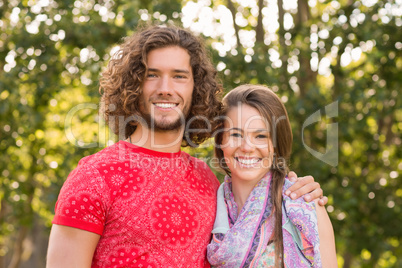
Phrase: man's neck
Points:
(167, 141)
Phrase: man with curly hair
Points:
(142, 202)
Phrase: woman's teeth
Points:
(247, 161)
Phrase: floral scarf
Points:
(242, 240)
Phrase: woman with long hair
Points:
(257, 225)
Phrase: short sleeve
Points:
(83, 200)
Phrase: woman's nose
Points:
(247, 145)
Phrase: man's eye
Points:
(180, 76)
(151, 75)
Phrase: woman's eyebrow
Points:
(252, 130)
(261, 130)
(235, 128)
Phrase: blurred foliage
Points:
(312, 53)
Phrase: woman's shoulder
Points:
(287, 183)
(300, 228)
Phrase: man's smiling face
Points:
(167, 90)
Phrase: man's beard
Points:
(162, 125)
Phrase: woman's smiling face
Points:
(246, 144)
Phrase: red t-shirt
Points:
(151, 209)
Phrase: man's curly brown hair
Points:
(122, 81)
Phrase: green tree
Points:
(53, 54)
(312, 53)
(342, 53)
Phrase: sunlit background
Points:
(311, 53)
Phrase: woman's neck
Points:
(241, 191)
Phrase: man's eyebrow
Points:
(153, 70)
(181, 71)
(175, 70)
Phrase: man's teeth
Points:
(166, 105)
(248, 161)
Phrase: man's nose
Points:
(165, 86)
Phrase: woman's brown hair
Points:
(122, 80)
(274, 112)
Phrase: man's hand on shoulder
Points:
(305, 186)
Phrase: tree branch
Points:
(236, 27)
(260, 28)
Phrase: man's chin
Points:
(163, 124)
(167, 126)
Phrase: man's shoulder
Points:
(201, 167)
(198, 164)
(91, 168)
(116, 152)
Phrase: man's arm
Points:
(306, 186)
(70, 247)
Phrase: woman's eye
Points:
(262, 136)
(151, 75)
(236, 135)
